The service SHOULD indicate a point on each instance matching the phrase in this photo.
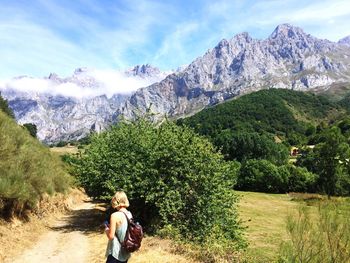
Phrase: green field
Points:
(265, 216)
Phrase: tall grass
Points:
(27, 170)
(320, 237)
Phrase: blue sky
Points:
(42, 36)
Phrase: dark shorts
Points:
(112, 259)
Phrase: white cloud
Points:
(105, 82)
(116, 81)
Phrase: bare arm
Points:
(115, 222)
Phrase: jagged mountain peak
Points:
(223, 43)
(53, 76)
(345, 41)
(288, 31)
(289, 58)
(80, 70)
(242, 37)
(143, 70)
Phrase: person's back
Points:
(116, 231)
(114, 247)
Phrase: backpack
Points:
(133, 235)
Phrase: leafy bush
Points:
(174, 179)
(31, 128)
(61, 144)
(28, 169)
(324, 239)
(262, 176)
(330, 161)
(300, 179)
(244, 146)
(4, 107)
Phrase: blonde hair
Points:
(120, 200)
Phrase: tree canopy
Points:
(175, 179)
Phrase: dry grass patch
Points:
(265, 217)
(17, 236)
(68, 149)
(153, 250)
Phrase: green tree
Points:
(61, 144)
(300, 179)
(31, 127)
(244, 146)
(4, 106)
(329, 159)
(174, 178)
(262, 176)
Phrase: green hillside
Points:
(290, 115)
(27, 169)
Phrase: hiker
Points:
(116, 229)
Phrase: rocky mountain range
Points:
(65, 115)
(288, 58)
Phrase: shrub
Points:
(300, 179)
(261, 176)
(31, 128)
(61, 144)
(326, 239)
(28, 169)
(173, 177)
(330, 160)
(4, 107)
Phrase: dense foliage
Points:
(290, 115)
(244, 146)
(31, 127)
(4, 107)
(256, 130)
(264, 176)
(330, 160)
(174, 178)
(27, 169)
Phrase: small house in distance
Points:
(294, 151)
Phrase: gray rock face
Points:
(143, 71)
(289, 58)
(345, 41)
(61, 117)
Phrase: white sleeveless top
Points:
(114, 247)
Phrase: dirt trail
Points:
(77, 237)
(66, 240)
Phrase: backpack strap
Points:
(128, 222)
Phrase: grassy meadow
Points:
(265, 216)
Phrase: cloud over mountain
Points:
(85, 83)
